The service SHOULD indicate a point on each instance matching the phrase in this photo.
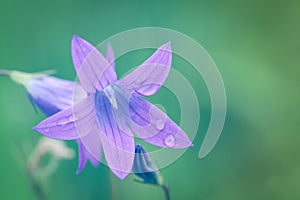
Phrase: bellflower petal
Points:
(118, 146)
(70, 124)
(88, 152)
(92, 143)
(154, 126)
(93, 70)
(150, 76)
(82, 156)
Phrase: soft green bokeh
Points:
(256, 46)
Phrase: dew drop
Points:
(46, 130)
(72, 118)
(170, 141)
(160, 124)
(63, 121)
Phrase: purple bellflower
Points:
(114, 109)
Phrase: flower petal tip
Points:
(167, 46)
(39, 128)
(75, 37)
(35, 128)
(76, 40)
(120, 174)
(96, 164)
(190, 144)
(108, 46)
(79, 170)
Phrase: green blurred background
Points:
(256, 46)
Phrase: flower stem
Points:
(34, 182)
(5, 72)
(166, 190)
(36, 186)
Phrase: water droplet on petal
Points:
(46, 130)
(160, 124)
(72, 118)
(63, 121)
(170, 141)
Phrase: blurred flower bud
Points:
(144, 168)
(48, 93)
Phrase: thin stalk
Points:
(112, 186)
(4, 72)
(36, 186)
(33, 181)
(166, 190)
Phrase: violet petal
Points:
(72, 123)
(154, 126)
(118, 146)
(92, 144)
(91, 153)
(150, 76)
(92, 68)
(82, 156)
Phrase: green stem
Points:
(166, 190)
(36, 186)
(5, 72)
